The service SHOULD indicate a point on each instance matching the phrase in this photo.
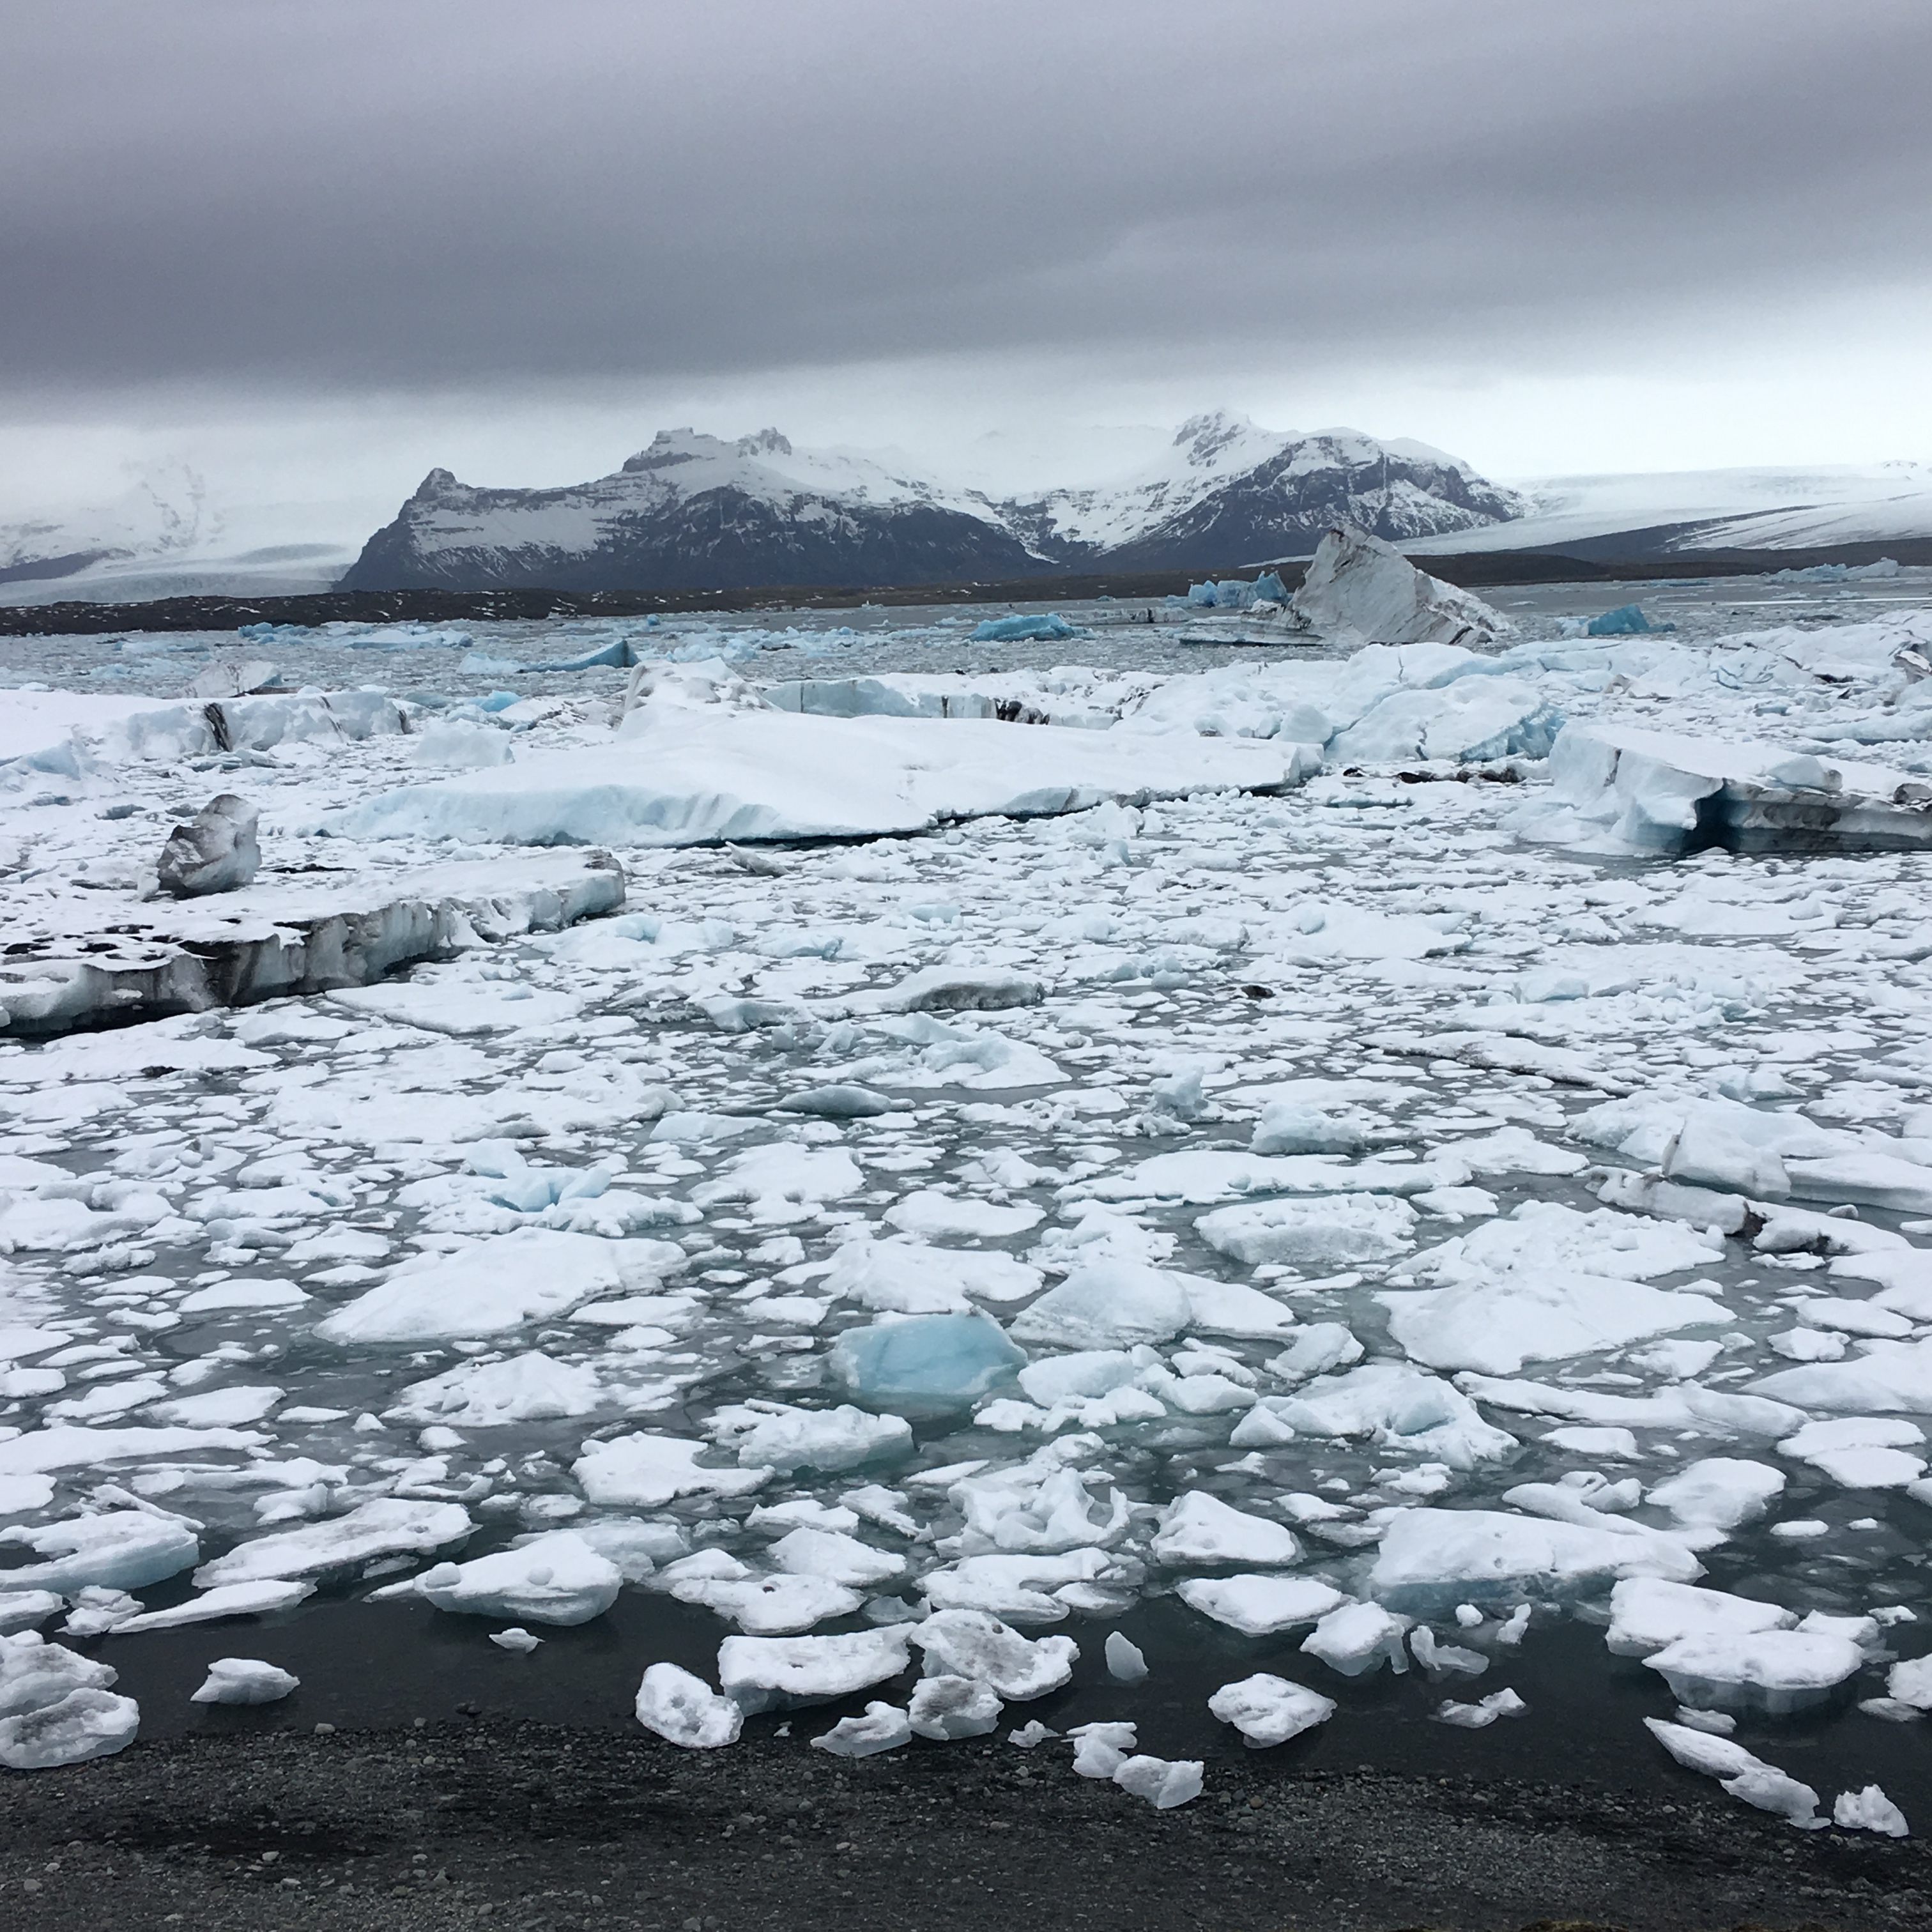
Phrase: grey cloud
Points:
(368, 195)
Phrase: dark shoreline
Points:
(486, 1823)
(1591, 562)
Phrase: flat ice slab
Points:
(1665, 791)
(689, 775)
(79, 960)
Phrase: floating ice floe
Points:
(1660, 791)
(1268, 1710)
(682, 772)
(1742, 1775)
(245, 1680)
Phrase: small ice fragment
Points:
(1163, 1782)
(245, 1680)
(1869, 1810)
(1125, 1663)
(973, 1643)
(1468, 1616)
(945, 1708)
(1475, 1716)
(884, 1727)
(1358, 1638)
(1269, 1710)
(1031, 1735)
(1718, 1723)
(1442, 1660)
(684, 1710)
(515, 1638)
(1101, 1749)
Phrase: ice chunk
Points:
(1107, 1304)
(763, 1673)
(118, 1550)
(1163, 1782)
(532, 1274)
(1431, 1559)
(788, 1440)
(971, 1643)
(554, 1578)
(1779, 1671)
(767, 1606)
(646, 1470)
(388, 1526)
(1742, 1775)
(528, 1387)
(1099, 1749)
(1910, 1683)
(1269, 1710)
(929, 1363)
(1333, 1229)
(1201, 1528)
(22, 1610)
(1647, 1613)
(1869, 1810)
(1259, 1606)
(1627, 620)
(1049, 628)
(910, 1278)
(1401, 1407)
(1719, 1493)
(1125, 1663)
(85, 1724)
(228, 1599)
(1319, 1347)
(1475, 1716)
(35, 1673)
(837, 1102)
(215, 852)
(1860, 1452)
(1358, 1638)
(515, 1639)
(245, 1680)
(947, 1708)
(684, 1710)
(839, 1558)
(1030, 1735)
(884, 1727)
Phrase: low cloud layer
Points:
(469, 195)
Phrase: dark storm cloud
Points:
(417, 192)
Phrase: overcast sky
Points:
(317, 248)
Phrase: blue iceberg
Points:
(929, 1363)
(1022, 630)
(1627, 620)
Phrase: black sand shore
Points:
(481, 1821)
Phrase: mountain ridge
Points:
(693, 509)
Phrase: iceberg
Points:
(1359, 586)
(930, 1364)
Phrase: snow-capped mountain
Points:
(693, 512)
(163, 511)
(1230, 489)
